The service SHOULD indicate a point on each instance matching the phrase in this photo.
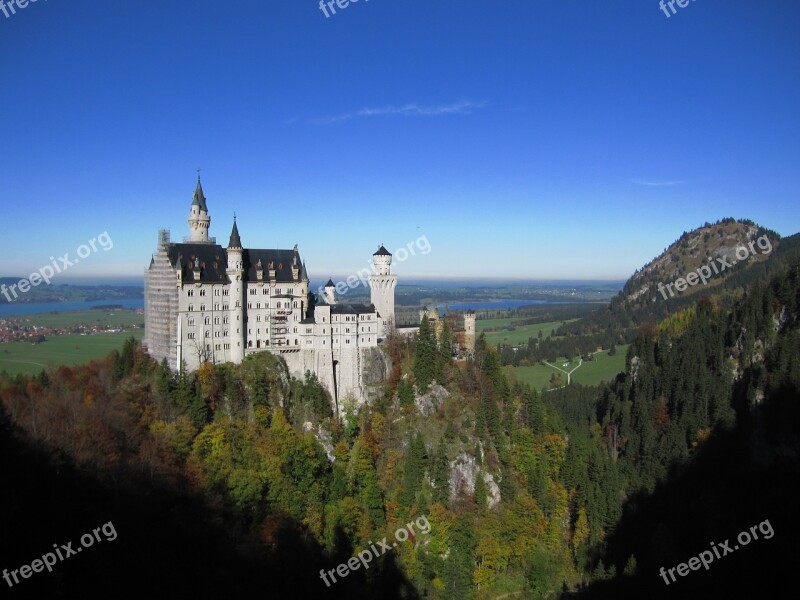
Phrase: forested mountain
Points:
(237, 479)
(709, 251)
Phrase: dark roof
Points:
(212, 258)
(280, 259)
(199, 198)
(352, 309)
(382, 252)
(330, 283)
(236, 241)
(213, 261)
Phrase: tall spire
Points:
(199, 219)
(199, 198)
(236, 241)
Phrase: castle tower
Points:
(469, 331)
(235, 273)
(199, 220)
(329, 295)
(382, 285)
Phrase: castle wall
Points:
(161, 307)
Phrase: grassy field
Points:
(73, 349)
(116, 318)
(602, 368)
(519, 335)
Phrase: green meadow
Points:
(602, 368)
(71, 349)
(519, 335)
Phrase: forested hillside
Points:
(238, 479)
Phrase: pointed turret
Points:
(199, 220)
(199, 198)
(236, 241)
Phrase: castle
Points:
(206, 303)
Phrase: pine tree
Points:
(444, 351)
(425, 356)
(481, 492)
(440, 474)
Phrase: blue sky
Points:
(525, 138)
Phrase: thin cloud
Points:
(658, 183)
(464, 107)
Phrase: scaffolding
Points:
(279, 327)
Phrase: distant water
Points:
(499, 304)
(20, 309)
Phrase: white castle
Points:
(206, 303)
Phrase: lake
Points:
(18, 310)
(498, 304)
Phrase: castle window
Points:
(290, 291)
(250, 344)
(208, 333)
(252, 291)
(202, 292)
(258, 318)
(190, 335)
(347, 341)
(190, 293)
(295, 303)
(264, 292)
(216, 307)
(308, 329)
(216, 292)
(258, 304)
(296, 342)
(208, 321)
(227, 346)
(191, 307)
(202, 307)
(226, 320)
(224, 307)
(216, 347)
(225, 292)
(190, 321)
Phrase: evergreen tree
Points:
(444, 351)
(480, 491)
(440, 474)
(425, 356)
(460, 562)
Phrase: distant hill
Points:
(700, 262)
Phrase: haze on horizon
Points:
(526, 141)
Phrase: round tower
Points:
(235, 271)
(469, 331)
(382, 285)
(199, 219)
